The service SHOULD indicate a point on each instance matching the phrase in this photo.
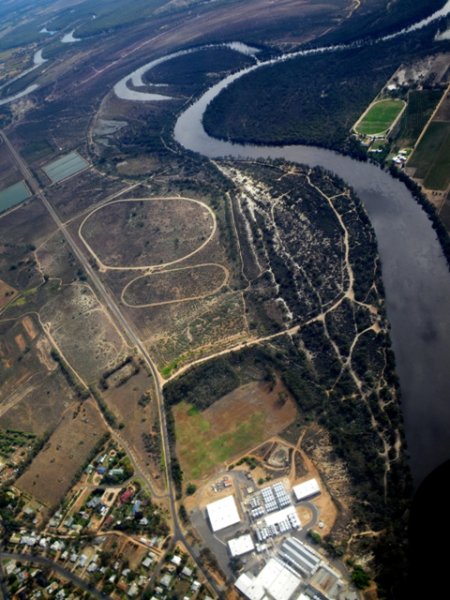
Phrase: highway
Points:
(121, 321)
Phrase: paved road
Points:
(47, 562)
(132, 336)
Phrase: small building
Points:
(187, 572)
(126, 496)
(306, 489)
(223, 513)
(133, 590)
(166, 580)
(176, 560)
(241, 545)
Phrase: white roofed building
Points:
(274, 581)
(223, 513)
(241, 545)
(306, 489)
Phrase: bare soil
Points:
(51, 473)
(33, 393)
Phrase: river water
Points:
(415, 276)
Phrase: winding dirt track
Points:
(177, 300)
(157, 266)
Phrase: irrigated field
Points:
(52, 471)
(379, 117)
(431, 158)
(175, 285)
(148, 232)
(232, 425)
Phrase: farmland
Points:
(431, 159)
(234, 424)
(419, 108)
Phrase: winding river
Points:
(415, 273)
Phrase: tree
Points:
(360, 578)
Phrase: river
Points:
(415, 275)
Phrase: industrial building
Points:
(223, 513)
(274, 581)
(241, 545)
(301, 558)
(307, 489)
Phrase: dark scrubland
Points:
(382, 17)
(339, 367)
(312, 99)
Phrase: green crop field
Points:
(432, 157)
(421, 104)
(380, 117)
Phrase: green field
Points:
(379, 117)
(431, 158)
(421, 104)
(201, 448)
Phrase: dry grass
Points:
(146, 232)
(175, 285)
(51, 473)
(231, 426)
(83, 332)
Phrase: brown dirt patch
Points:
(29, 327)
(20, 342)
(51, 473)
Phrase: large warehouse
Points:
(274, 581)
(306, 489)
(223, 513)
